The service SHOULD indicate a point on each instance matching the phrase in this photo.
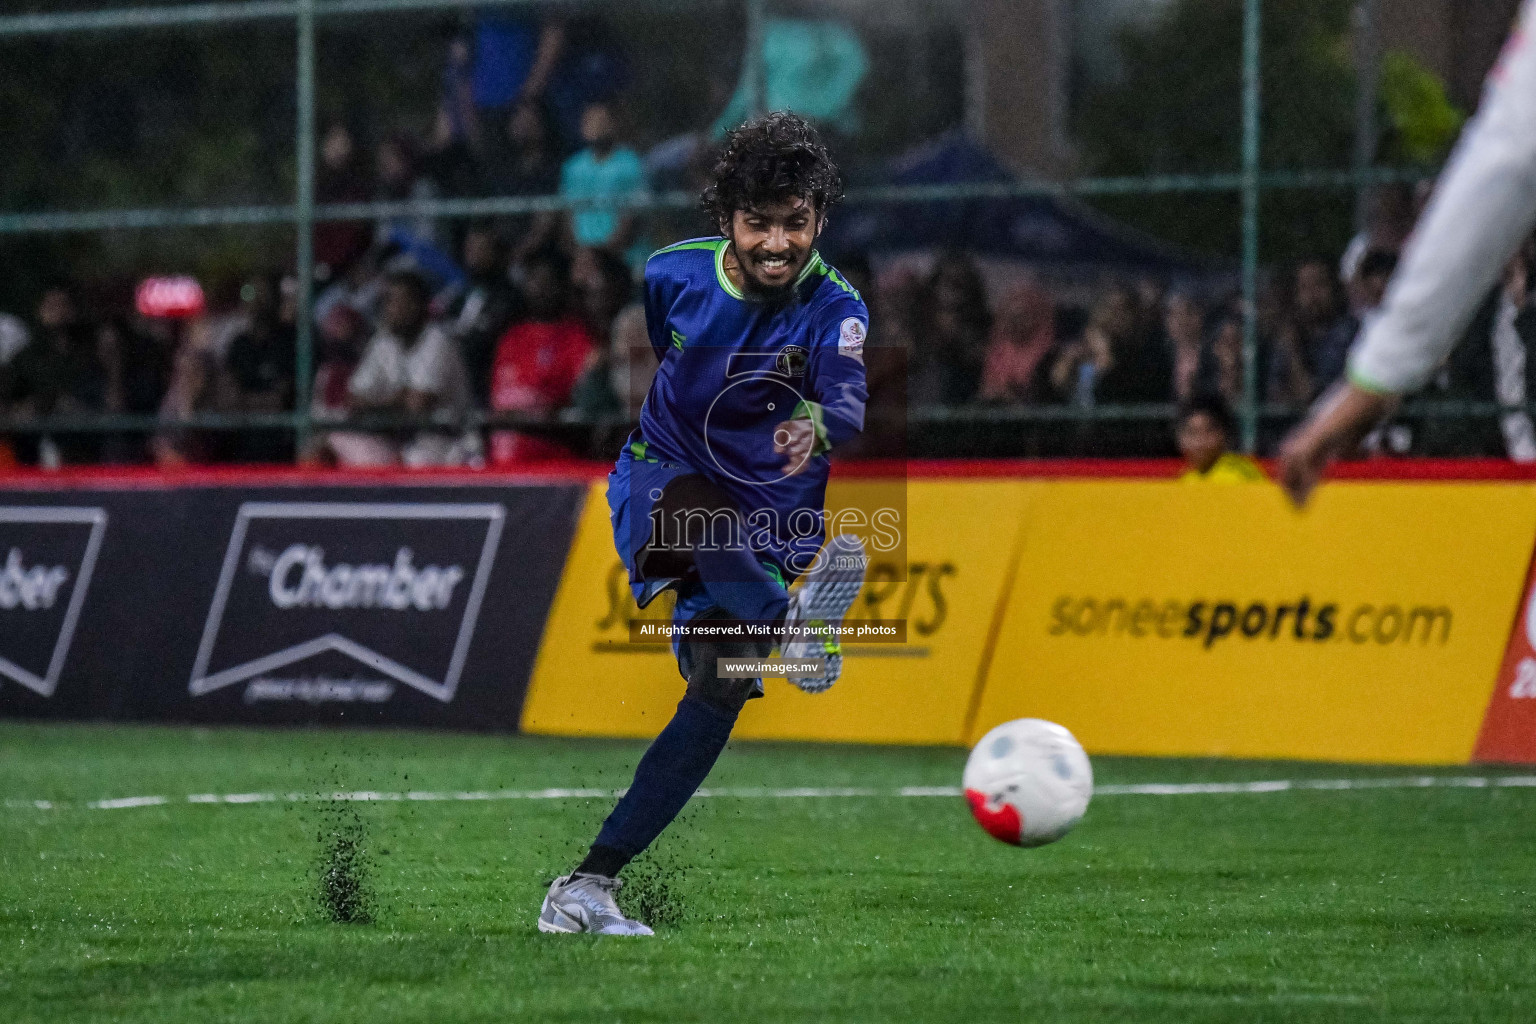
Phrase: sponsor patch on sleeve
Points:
(850, 338)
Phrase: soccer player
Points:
(1481, 211)
(719, 494)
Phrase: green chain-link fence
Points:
(1249, 182)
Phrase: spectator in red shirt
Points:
(1022, 344)
(538, 361)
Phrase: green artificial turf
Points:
(1369, 905)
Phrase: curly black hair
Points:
(770, 159)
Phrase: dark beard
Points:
(755, 290)
(777, 296)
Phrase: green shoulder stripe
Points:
(831, 274)
(683, 246)
(842, 283)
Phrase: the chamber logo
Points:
(396, 588)
(300, 578)
(47, 558)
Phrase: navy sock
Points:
(737, 582)
(602, 860)
(668, 775)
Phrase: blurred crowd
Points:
(533, 319)
(529, 317)
(552, 338)
(1117, 343)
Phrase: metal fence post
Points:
(1251, 193)
(1368, 70)
(304, 199)
(756, 72)
(303, 211)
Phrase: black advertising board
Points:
(388, 605)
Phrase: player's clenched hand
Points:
(795, 440)
(1343, 416)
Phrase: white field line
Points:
(127, 801)
(806, 793)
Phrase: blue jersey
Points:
(732, 369)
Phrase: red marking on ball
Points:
(1002, 822)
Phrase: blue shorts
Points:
(634, 486)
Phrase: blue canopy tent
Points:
(1056, 234)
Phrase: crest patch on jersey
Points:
(850, 338)
(791, 361)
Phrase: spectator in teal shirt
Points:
(814, 68)
(605, 170)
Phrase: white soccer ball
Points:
(1028, 782)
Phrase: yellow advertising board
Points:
(1148, 617)
(959, 541)
(1167, 618)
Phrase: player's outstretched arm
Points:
(1338, 423)
(1483, 207)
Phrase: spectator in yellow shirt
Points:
(1205, 429)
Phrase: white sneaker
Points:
(822, 599)
(584, 903)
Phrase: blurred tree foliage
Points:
(206, 116)
(141, 119)
(191, 117)
(1177, 109)
(1422, 123)
(203, 116)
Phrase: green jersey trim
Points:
(721, 275)
(682, 247)
(839, 280)
(814, 265)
